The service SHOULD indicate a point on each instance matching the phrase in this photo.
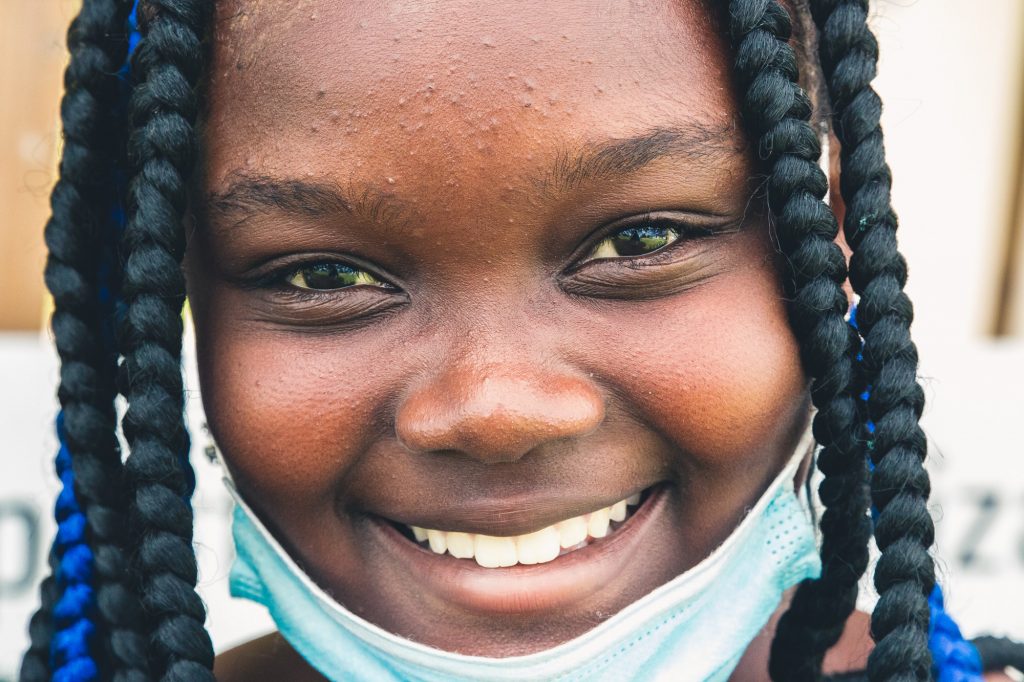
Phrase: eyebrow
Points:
(247, 194)
(573, 167)
(615, 158)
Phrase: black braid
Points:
(35, 666)
(167, 64)
(998, 653)
(80, 206)
(776, 112)
(905, 574)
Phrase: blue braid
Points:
(954, 659)
(110, 276)
(71, 656)
(134, 35)
(70, 648)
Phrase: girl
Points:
(511, 322)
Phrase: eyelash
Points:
(278, 278)
(686, 232)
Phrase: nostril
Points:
(498, 418)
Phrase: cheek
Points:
(288, 412)
(719, 371)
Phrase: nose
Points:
(497, 413)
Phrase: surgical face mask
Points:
(695, 627)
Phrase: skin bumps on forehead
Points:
(410, 83)
(471, 155)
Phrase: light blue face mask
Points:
(695, 627)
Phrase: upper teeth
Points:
(544, 545)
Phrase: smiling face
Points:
(482, 268)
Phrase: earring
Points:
(210, 450)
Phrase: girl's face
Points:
(486, 267)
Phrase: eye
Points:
(329, 275)
(639, 240)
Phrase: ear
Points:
(835, 200)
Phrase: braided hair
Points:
(87, 613)
(122, 605)
(905, 574)
(776, 112)
(92, 623)
(162, 149)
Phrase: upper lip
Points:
(508, 515)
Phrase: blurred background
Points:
(952, 79)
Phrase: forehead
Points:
(421, 93)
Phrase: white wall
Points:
(951, 80)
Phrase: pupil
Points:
(329, 276)
(636, 241)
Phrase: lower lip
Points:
(521, 589)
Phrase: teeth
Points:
(539, 547)
(572, 532)
(492, 552)
(597, 525)
(438, 541)
(460, 545)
